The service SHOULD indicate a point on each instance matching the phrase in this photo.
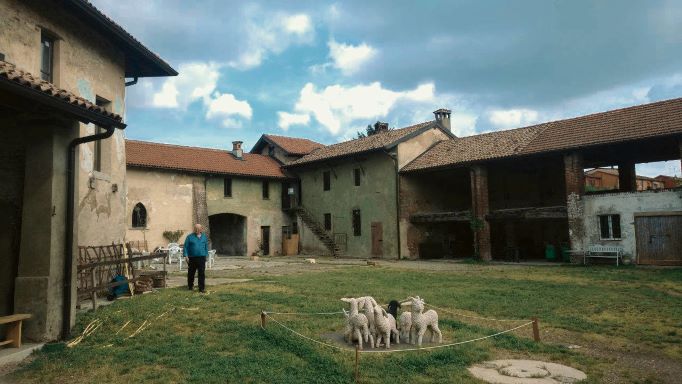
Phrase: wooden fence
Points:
(98, 265)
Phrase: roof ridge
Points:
(291, 137)
(382, 133)
(191, 147)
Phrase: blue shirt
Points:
(196, 246)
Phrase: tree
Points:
(373, 129)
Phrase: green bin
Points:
(550, 252)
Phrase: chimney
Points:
(237, 150)
(443, 117)
(381, 127)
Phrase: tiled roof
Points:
(9, 73)
(658, 119)
(202, 160)
(294, 145)
(366, 144)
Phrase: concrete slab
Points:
(525, 372)
(16, 355)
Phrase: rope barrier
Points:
(303, 313)
(267, 314)
(473, 317)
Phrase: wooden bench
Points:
(605, 252)
(13, 322)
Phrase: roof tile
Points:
(9, 72)
(202, 160)
(362, 145)
(294, 145)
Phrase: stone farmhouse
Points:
(63, 70)
(421, 192)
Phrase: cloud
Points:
(271, 34)
(512, 118)
(227, 108)
(339, 106)
(350, 58)
(287, 119)
(463, 124)
(196, 81)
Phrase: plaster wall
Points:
(626, 205)
(167, 197)
(247, 200)
(410, 149)
(375, 197)
(86, 64)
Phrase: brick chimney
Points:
(237, 150)
(443, 117)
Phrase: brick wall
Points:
(575, 188)
(199, 207)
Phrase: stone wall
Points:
(247, 200)
(626, 205)
(168, 197)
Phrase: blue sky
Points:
(324, 69)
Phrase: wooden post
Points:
(262, 319)
(94, 285)
(357, 358)
(165, 274)
(536, 330)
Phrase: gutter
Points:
(70, 207)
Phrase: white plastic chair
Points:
(211, 258)
(175, 253)
(169, 247)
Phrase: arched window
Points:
(139, 216)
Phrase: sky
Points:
(325, 70)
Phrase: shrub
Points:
(173, 236)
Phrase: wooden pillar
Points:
(575, 188)
(627, 177)
(480, 208)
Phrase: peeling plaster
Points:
(85, 90)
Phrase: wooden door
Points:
(659, 239)
(265, 239)
(377, 239)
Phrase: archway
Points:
(228, 234)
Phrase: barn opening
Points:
(228, 234)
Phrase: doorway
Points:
(265, 240)
(228, 232)
(377, 239)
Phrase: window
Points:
(139, 216)
(326, 180)
(98, 150)
(227, 187)
(357, 226)
(46, 57)
(328, 221)
(609, 226)
(266, 190)
(356, 176)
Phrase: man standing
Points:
(195, 252)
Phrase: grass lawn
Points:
(627, 322)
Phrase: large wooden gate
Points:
(659, 238)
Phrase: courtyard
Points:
(615, 324)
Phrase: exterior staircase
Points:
(325, 237)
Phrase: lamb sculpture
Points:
(405, 323)
(385, 327)
(357, 324)
(423, 320)
(369, 304)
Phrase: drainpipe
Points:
(394, 157)
(131, 82)
(70, 196)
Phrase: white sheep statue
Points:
(421, 321)
(357, 324)
(385, 326)
(369, 304)
(405, 323)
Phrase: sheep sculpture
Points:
(369, 304)
(421, 321)
(385, 326)
(405, 325)
(357, 325)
